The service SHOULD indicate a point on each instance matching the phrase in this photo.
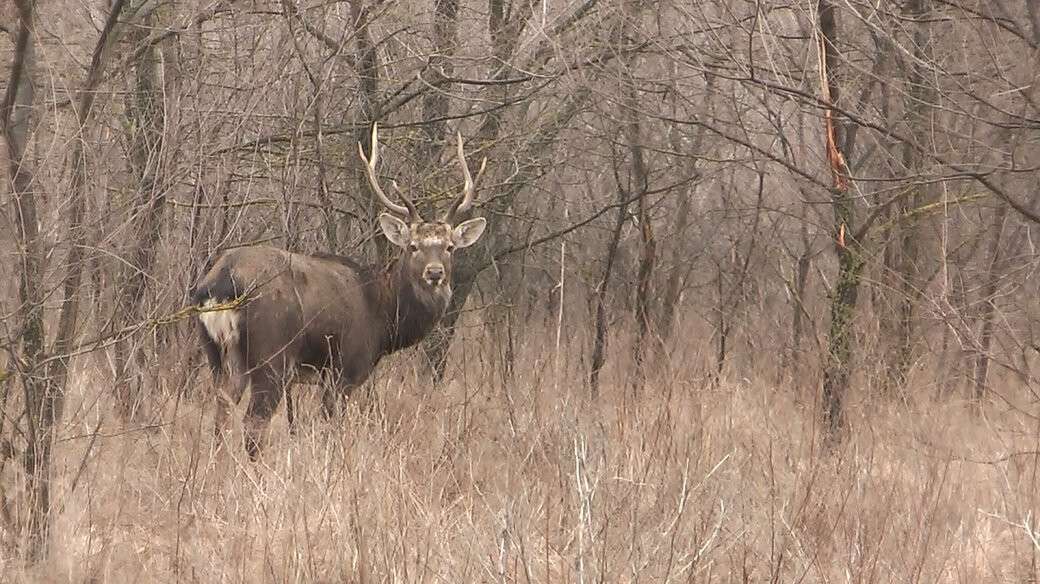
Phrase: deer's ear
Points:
(468, 232)
(396, 231)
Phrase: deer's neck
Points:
(411, 309)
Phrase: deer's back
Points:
(307, 308)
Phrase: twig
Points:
(82, 466)
(265, 202)
(110, 338)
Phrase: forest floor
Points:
(524, 479)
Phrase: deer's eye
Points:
(450, 248)
(413, 247)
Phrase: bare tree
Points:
(146, 131)
(599, 344)
(847, 247)
(39, 401)
(44, 375)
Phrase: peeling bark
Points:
(849, 251)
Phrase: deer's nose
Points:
(434, 273)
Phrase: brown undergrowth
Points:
(522, 479)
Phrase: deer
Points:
(268, 317)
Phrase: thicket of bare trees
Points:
(833, 195)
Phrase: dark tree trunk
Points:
(721, 326)
(673, 285)
(367, 59)
(44, 385)
(441, 66)
(639, 173)
(849, 251)
(920, 95)
(599, 343)
(980, 378)
(729, 300)
(146, 122)
(677, 277)
(801, 278)
(646, 342)
(17, 120)
(843, 307)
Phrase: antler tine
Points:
(469, 189)
(408, 209)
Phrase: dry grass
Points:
(525, 481)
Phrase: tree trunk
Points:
(849, 252)
(843, 307)
(721, 327)
(980, 378)
(145, 126)
(367, 60)
(919, 97)
(441, 66)
(673, 286)
(645, 343)
(599, 343)
(639, 172)
(44, 385)
(801, 278)
(17, 120)
(679, 257)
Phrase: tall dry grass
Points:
(492, 479)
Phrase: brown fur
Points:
(320, 313)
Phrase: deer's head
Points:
(426, 246)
